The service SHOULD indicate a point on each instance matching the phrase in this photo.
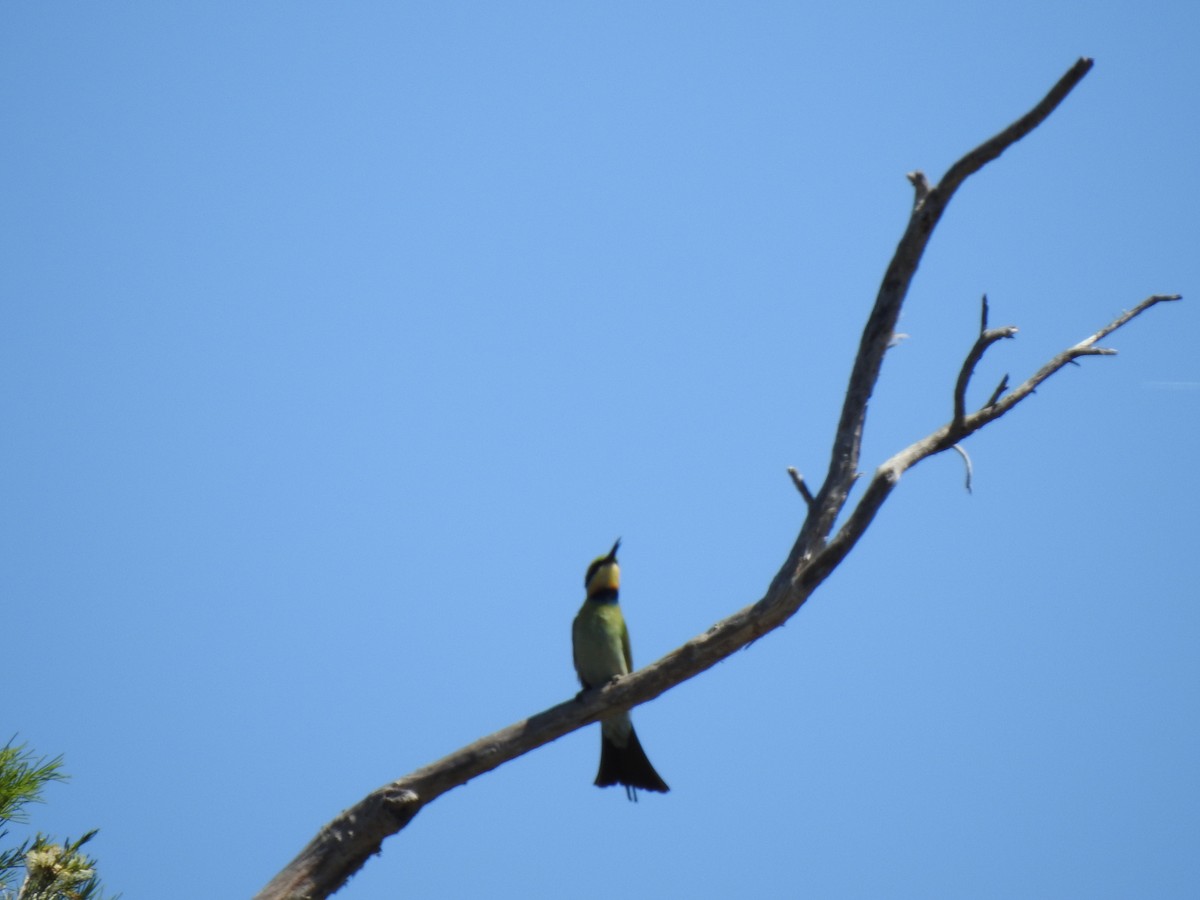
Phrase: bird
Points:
(600, 641)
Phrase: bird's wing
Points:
(625, 646)
(575, 650)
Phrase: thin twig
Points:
(966, 458)
(798, 481)
(1000, 389)
(985, 340)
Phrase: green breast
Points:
(599, 638)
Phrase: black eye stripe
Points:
(587, 579)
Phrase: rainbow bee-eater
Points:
(601, 644)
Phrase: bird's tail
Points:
(626, 764)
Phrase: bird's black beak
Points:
(612, 554)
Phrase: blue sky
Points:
(338, 338)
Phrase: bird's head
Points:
(604, 575)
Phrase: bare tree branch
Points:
(887, 476)
(992, 148)
(930, 203)
(1086, 347)
(344, 845)
(985, 340)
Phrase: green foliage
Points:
(22, 779)
(53, 871)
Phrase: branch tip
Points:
(798, 481)
(1000, 389)
(994, 146)
(920, 185)
(966, 463)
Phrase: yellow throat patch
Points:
(603, 575)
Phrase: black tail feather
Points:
(627, 765)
